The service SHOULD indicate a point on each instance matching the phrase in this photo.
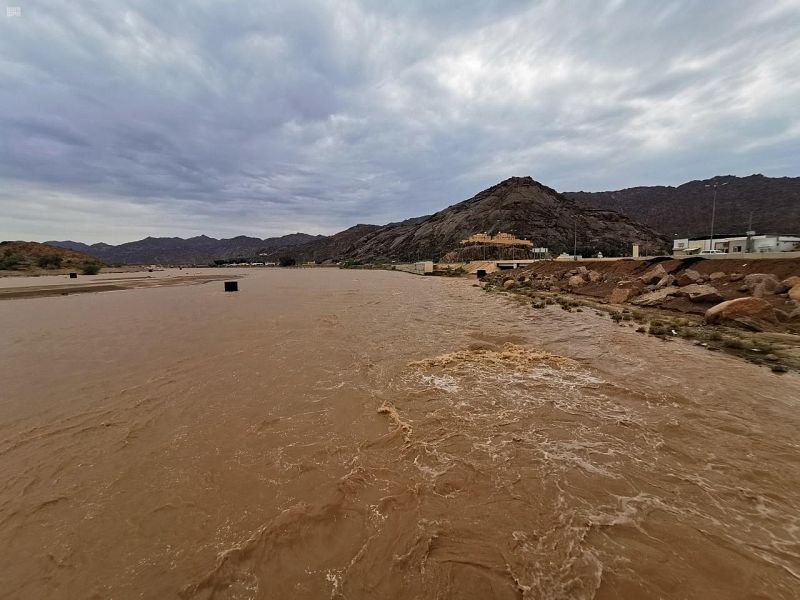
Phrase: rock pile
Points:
(744, 294)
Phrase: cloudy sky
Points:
(122, 119)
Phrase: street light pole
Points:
(575, 246)
(714, 210)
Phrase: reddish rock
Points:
(751, 313)
(700, 293)
(717, 275)
(687, 277)
(509, 284)
(794, 293)
(763, 284)
(575, 281)
(665, 281)
(620, 295)
(655, 298)
(654, 275)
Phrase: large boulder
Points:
(687, 277)
(792, 281)
(763, 284)
(575, 281)
(794, 293)
(716, 275)
(509, 284)
(634, 284)
(755, 314)
(654, 275)
(620, 295)
(594, 276)
(665, 281)
(700, 293)
(656, 297)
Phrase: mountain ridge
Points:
(518, 205)
(685, 210)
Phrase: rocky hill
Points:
(33, 256)
(685, 211)
(518, 205)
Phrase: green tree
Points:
(90, 268)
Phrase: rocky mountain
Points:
(685, 211)
(518, 205)
(197, 250)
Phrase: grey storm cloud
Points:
(126, 119)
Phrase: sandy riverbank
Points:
(62, 285)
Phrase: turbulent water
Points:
(346, 434)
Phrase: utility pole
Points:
(715, 185)
(575, 245)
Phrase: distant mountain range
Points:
(518, 205)
(197, 250)
(773, 203)
(607, 222)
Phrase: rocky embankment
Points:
(759, 295)
(33, 258)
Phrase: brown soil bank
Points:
(692, 285)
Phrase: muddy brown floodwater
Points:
(347, 434)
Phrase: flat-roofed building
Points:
(738, 244)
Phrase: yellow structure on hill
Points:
(501, 238)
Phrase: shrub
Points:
(90, 269)
(9, 261)
(287, 261)
(658, 330)
(616, 317)
(48, 261)
(350, 264)
(733, 343)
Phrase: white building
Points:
(736, 244)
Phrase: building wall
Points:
(500, 238)
(738, 244)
